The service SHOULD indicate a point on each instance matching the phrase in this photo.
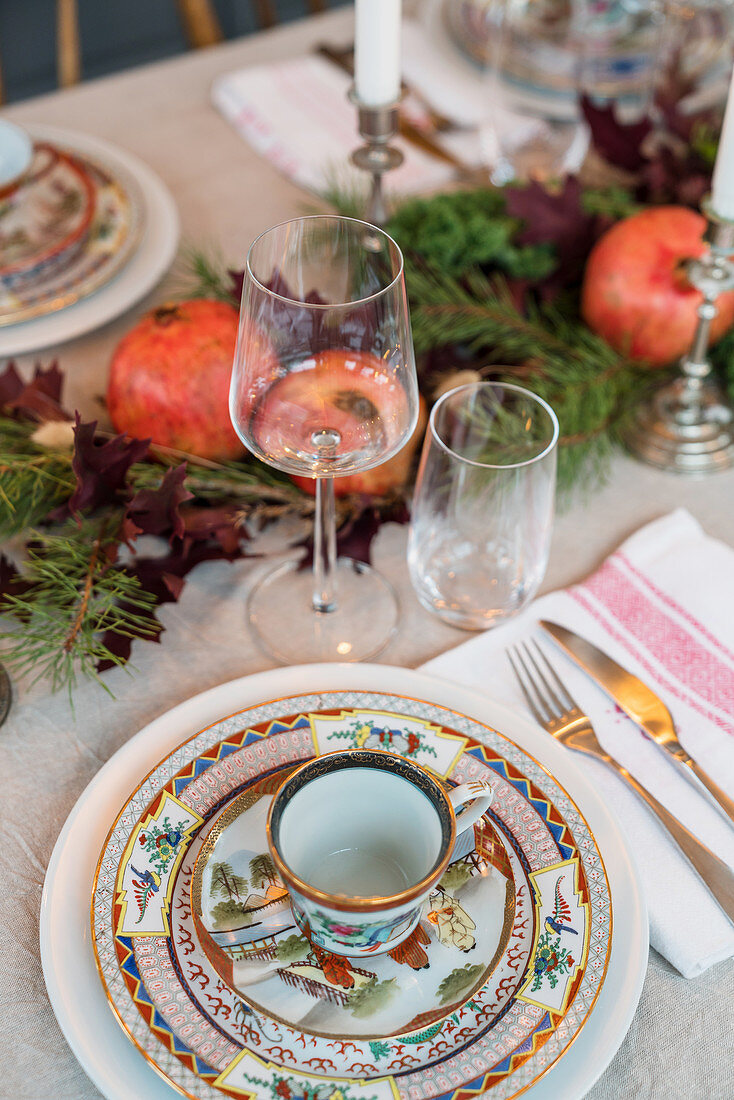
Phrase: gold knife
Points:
(638, 701)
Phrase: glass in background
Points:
(483, 505)
(698, 46)
(542, 56)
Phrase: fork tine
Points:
(570, 701)
(555, 702)
(541, 718)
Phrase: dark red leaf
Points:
(236, 280)
(101, 467)
(156, 511)
(678, 81)
(174, 584)
(619, 143)
(39, 398)
(669, 178)
(12, 582)
(11, 384)
(220, 523)
(556, 218)
(354, 539)
(129, 531)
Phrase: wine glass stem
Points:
(324, 546)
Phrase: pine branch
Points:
(76, 593)
(247, 480)
(588, 384)
(33, 479)
(203, 274)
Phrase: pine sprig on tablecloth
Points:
(73, 594)
(33, 479)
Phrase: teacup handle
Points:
(477, 790)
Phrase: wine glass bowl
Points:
(324, 386)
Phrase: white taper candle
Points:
(722, 185)
(377, 51)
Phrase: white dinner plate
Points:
(146, 267)
(76, 993)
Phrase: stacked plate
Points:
(85, 232)
(523, 974)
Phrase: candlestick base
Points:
(688, 425)
(671, 434)
(377, 125)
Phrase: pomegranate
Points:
(169, 379)
(636, 294)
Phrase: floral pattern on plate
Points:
(110, 234)
(205, 1039)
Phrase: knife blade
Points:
(639, 702)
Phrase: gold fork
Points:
(555, 710)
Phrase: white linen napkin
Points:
(296, 114)
(663, 606)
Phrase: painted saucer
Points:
(45, 220)
(100, 226)
(202, 1034)
(247, 931)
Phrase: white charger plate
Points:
(146, 267)
(76, 993)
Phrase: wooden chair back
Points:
(198, 19)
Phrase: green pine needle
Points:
(203, 274)
(76, 595)
(33, 479)
(589, 385)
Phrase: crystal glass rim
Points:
(492, 465)
(326, 305)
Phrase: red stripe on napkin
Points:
(687, 663)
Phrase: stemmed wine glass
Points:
(324, 385)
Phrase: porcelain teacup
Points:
(360, 838)
(16, 154)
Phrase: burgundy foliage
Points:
(39, 399)
(556, 218)
(101, 467)
(156, 511)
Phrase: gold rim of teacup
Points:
(343, 902)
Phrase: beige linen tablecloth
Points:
(680, 1045)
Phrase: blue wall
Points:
(115, 35)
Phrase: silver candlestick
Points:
(377, 125)
(688, 425)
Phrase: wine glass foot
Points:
(281, 614)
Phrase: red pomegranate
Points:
(636, 294)
(169, 379)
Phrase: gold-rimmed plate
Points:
(202, 1035)
(115, 220)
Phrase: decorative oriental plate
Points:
(45, 220)
(517, 938)
(97, 218)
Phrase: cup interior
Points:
(16, 152)
(353, 828)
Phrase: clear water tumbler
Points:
(483, 506)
